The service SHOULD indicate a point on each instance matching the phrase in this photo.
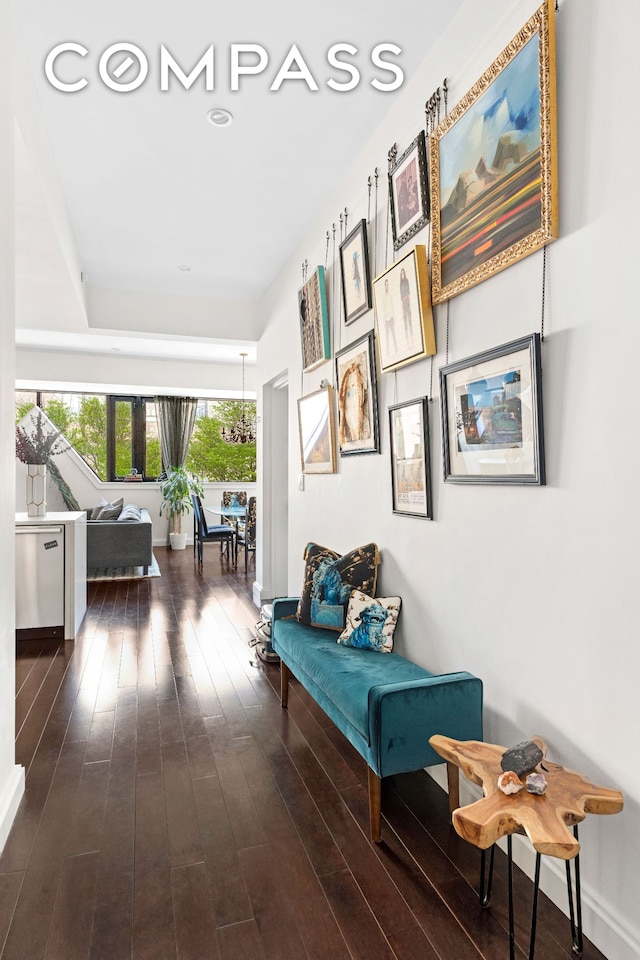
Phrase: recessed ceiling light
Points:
(219, 117)
(185, 268)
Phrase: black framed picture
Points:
(354, 272)
(357, 398)
(410, 461)
(492, 416)
(408, 192)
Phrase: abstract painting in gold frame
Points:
(493, 165)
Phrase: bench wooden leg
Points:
(375, 805)
(453, 777)
(284, 684)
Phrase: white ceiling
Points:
(150, 185)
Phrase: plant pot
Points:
(178, 541)
(36, 490)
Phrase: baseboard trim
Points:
(608, 932)
(9, 802)
(259, 594)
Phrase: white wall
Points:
(532, 589)
(11, 776)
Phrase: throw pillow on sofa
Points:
(111, 511)
(329, 579)
(131, 512)
(371, 622)
(93, 515)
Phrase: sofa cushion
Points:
(93, 514)
(131, 512)
(341, 678)
(111, 511)
(371, 623)
(329, 579)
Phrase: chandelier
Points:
(243, 430)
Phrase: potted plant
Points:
(176, 488)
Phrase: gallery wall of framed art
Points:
(537, 484)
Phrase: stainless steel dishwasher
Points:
(39, 581)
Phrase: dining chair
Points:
(220, 533)
(240, 495)
(246, 538)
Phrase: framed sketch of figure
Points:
(404, 317)
(354, 272)
(357, 398)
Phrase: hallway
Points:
(174, 810)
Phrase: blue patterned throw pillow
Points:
(371, 622)
(329, 579)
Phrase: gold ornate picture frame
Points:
(493, 165)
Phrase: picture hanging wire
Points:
(391, 159)
(337, 340)
(445, 90)
(544, 286)
(375, 225)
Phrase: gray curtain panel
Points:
(176, 419)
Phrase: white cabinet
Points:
(51, 574)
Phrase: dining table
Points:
(235, 514)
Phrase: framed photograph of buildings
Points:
(403, 314)
(357, 398)
(410, 464)
(314, 321)
(492, 416)
(493, 165)
(317, 434)
(354, 272)
(408, 192)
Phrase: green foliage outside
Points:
(210, 456)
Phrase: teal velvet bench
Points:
(385, 705)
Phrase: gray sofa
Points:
(120, 542)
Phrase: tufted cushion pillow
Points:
(329, 579)
(371, 623)
(111, 511)
(131, 512)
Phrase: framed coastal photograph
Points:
(410, 463)
(492, 416)
(493, 165)
(357, 398)
(317, 434)
(403, 315)
(354, 273)
(314, 321)
(408, 192)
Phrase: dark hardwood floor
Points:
(174, 810)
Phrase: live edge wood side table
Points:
(544, 819)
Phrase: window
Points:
(116, 434)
